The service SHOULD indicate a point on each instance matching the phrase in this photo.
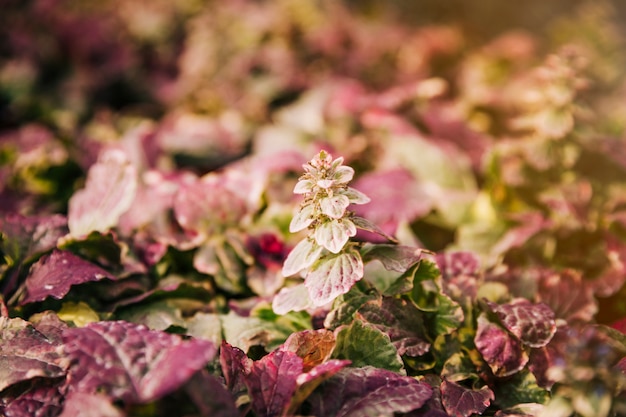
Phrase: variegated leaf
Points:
(333, 276)
(302, 219)
(302, 256)
(334, 234)
(334, 206)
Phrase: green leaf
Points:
(428, 270)
(346, 306)
(404, 283)
(520, 388)
(205, 326)
(364, 345)
(158, 315)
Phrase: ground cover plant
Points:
(293, 208)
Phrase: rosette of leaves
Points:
(329, 262)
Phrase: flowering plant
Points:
(330, 263)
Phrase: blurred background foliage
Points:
(505, 120)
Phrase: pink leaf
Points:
(109, 192)
(55, 273)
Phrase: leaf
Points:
(521, 410)
(366, 225)
(309, 381)
(532, 323)
(346, 306)
(26, 353)
(405, 201)
(295, 298)
(449, 315)
(210, 396)
(342, 174)
(444, 314)
(81, 404)
(549, 357)
(368, 392)
(302, 256)
(333, 206)
(333, 275)
(397, 258)
(463, 402)
(502, 351)
(205, 326)
(568, 295)
(26, 236)
(80, 314)
(208, 205)
(453, 264)
(43, 398)
(354, 196)
(109, 192)
(522, 388)
(235, 364)
(313, 346)
(303, 218)
(272, 382)
(131, 362)
(244, 332)
(365, 345)
(54, 274)
(401, 321)
(333, 234)
(260, 328)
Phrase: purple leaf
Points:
(463, 402)
(368, 391)
(272, 382)
(109, 192)
(322, 371)
(26, 353)
(568, 295)
(546, 357)
(208, 205)
(27, 236)
(82, 404)
(401, 321)
(532, 323)
(502, 351)
(42, 399)
(309, 381)
(54, 274)
(453, 264)
(407, 200)
(130, 362)
(235, 364)
(210, 396)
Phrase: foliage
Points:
(156, 262)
